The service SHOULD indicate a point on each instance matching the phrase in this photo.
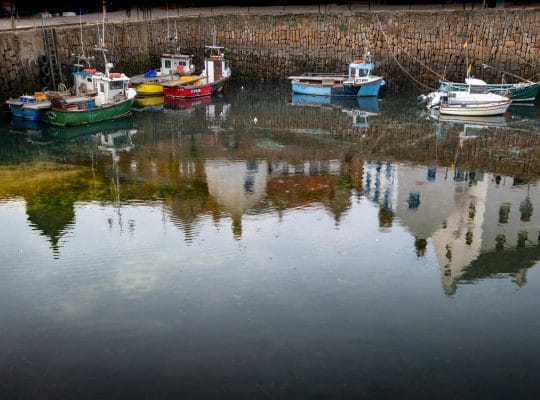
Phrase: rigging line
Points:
(506, 73)
(395, 59)
(410, 55)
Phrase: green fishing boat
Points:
(518, 92)
(84, 112)
(112, 98)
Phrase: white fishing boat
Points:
(476, 100)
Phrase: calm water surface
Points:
(259, 245)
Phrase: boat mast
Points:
(467, 70)
(101, 39)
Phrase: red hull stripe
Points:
(193, 91)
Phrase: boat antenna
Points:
(168, 32)
(80, 26)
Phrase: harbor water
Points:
(265, 245)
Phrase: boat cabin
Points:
(476, 86)
(106, 88)
(111, 88)
(216, 67)
(84, 82)
(176, 64)
(360, 70)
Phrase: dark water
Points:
(257, 245)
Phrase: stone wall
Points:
(411, 48)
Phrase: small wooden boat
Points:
(29, 106)
(211, 81)
(173, 66)
(358, 82)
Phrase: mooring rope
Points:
(399, 64)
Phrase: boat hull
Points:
(22, 112)
(522, 92)
(475, 109)
(191, 91)
(367, 89)
(57, 116)
(149, 89)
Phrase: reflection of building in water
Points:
(381, 183)
(241, 186)
(467, 215)
(237, 186)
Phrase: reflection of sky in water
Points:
(295, 296)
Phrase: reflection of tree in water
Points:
(511, 262)
(51, 214)
(420, 246)
(386, 217)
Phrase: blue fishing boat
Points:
(358, 82)
(29, 106)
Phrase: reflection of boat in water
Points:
(148, 103)
(359, 108)
(178, 103)
(28, 126)
(366, 103)
(479, 122)
(71, 132)
(524, 110)
(471, 124)
(115, 141)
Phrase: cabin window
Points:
(362, 73)
(115, 85)
(479, 89)
(182, 63)
(89, 80)
(101, 87)
(167, 63)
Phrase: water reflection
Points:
(208, 156)
(358, 108)
(278, 243)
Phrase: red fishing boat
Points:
(212, 80)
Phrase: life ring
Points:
(115, 75)
(180, 69)
(42, 60)
(46, 80)
(45, 70)
(359, 61)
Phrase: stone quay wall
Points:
(412, 49)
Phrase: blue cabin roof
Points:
(362, 65)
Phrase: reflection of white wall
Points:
(236, 185)
(459, 211)
(514, 196)
(458, 242)
(437, 194)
